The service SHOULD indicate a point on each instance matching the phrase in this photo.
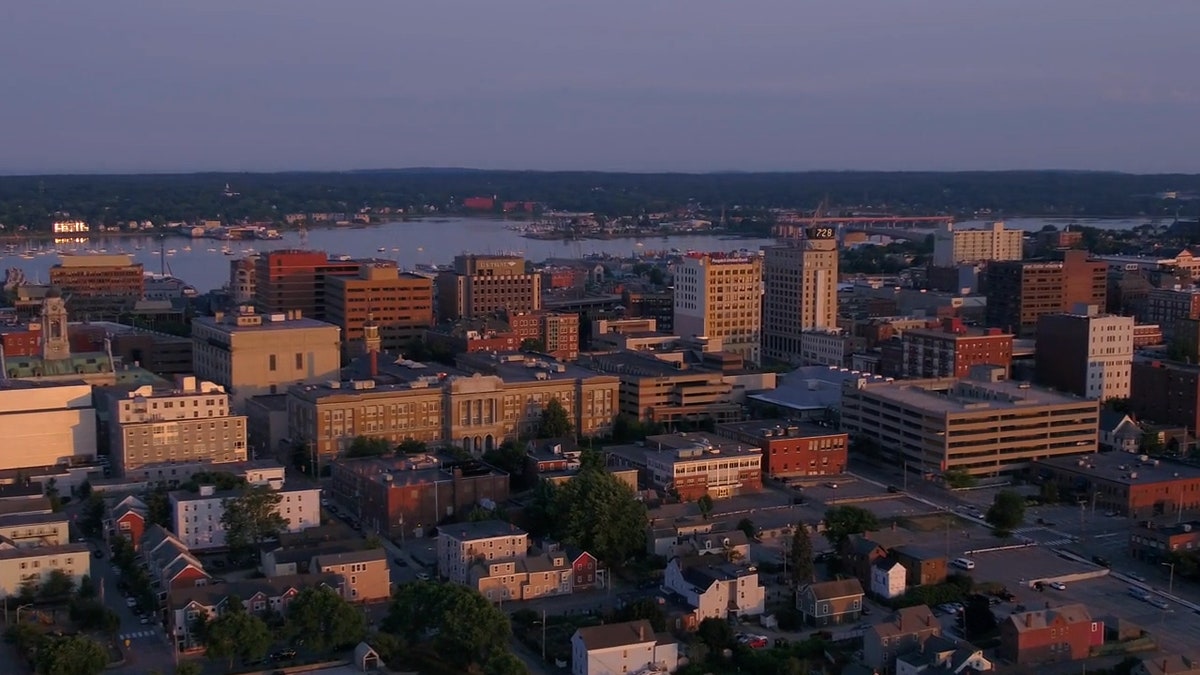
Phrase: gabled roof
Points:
(888, 564)
(616, 634)
(917, 552)
(122, 510)
(1042, 618)
(831, 590)
(1110, 420)
(702, 573)
(862, 546)
(907, 621)
(179, 565)
(212, 596)
(719, 539)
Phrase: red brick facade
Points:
(1048, 636)
(791, 449)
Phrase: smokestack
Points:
(1028, 619)
(374, 362)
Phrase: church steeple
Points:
(55, 343)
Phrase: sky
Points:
(627, 85)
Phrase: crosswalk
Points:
(137, 634)
(1039, 535)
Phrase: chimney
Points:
(1028, 619)
(641, 632)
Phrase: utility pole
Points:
(543, 635)
(1170, 582)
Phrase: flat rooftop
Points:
(42, 551)
(954, 395)
(1121, 467)
(517, 367)
(638, 364)
(779, 429)
(483, 529)
(268, 324)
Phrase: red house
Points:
(1065, 633)
(585, 570)
(128, 519)
(169, 563)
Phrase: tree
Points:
(56, 502)
(541, 514)
(957, 479)
(705, 504)
(465, 628)
(1006, 513)
(411, 446)
(715, 634)
(366, 446)
(978, 619)
(58, 585)
(533, 345)
(158, 508)
(646, 608)
(1049, 492)
(801, 556)
(505, 663)
(1151, 443)
(746, 525)
(91, 614)
(252, 518)
(91, 515)
(600, 514)
(555, 422)
(325, 620)
(188, 668)
(87, 587)
(843, 521)
(71, 655)
(508, 457)
(236, 633)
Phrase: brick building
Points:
(481, 285)
(289, 280)
(1045, 636)
(694, 464)
(1155, 544)
(1018, 292)
(791, 448)
(1085, 353)
(99, 286)
(1167, 392)
(401, 304)
(1125, 483)
(1166, 306)
(950, 350)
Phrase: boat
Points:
(170, 251)
(381, 249)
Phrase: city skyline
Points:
(621, 86)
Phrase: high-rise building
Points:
(185, 423)
(400, 303)
(1166, 392)
(952, 246)
(720, 296)
(251, 354)
(242, 272)
(291, 280)
(1167, 306)
(1019, 292)
(98, 286)
(486, 284)
(1085, 353)
(800, 293)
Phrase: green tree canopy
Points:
(366, 446)
(411, 446)
(716, 634)
(599, 513)
(71, 655)
(555, 422)
(843, 521)
(58, 585)
(533, 345)
(705, 504)
(646, 608)
(801, 556)
(236, 633)
(158, 508)
(505, 663)
(461, 623)
(1006, 513)
(325, 620)
(541, 513)
(252, 517)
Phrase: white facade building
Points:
(799, 294)
(196, 517)
(823, 347)
(716, 590)
(888, 579)
(462, 544)
(951, 246)
(46, 424)
(19, 565)
(629, 648)
(1086, 352)
(720, 296)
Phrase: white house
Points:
(629, 648)
(888, 578)
(196, 517)
(1119, 432)
(716, 589)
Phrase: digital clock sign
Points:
(820, 233)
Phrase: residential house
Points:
(888, 578)
(128, 518)
(830, 603)
(461, 544)
(365, 575)
(905, 630)
(524, 577)
(585, 568)
(1167, 664)
(1119, 432)
(196, 516)
(620, 648)
(941, 656)
(859, 555)
(733, 545)
(185, 607)
(925, 567)
(28, 530)
(715, 589)
(169, 563)
(1065, 633)
(32, 565)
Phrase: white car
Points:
(1058, 585)
(1136, 577)
(1158, 602)
(131, 602)
(422, 576)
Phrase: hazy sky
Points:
(695, 85)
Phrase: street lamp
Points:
(19, 608)
(1170, 583)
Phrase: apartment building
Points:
(399, 303)
(327, 417)
(558, 332)
(692, 465)
(1052, 635)
(1018, 292)
(98, 286)
(485, 284)
(950, 350)
(20, 566)
(905, 630)
(188, 422)
(287, 281)
(242, 279)
(461, 545)
(28, 530)
(44, 424)
(715, 589)
(529, 577)
(409, 496)
(983, 425)
(1085, 353)
(196, 517)
(656, 304)
(1166, 392)
(655, 390)
(799, 293)
(169, 563)
(127, 518)
(628, 647)
(720, 296)
(792, 448)
(1167, 306)
(953, 246)
(365, 575)
(251, 354)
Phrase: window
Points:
(271, 362)
(299, 361)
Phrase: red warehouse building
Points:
(792, 449)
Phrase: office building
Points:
(799, 294)
(659, 391)
(189, 422)
(292, 280)
(196, 516)
(792, 448)
(950, 350)
(46, 424)
(983, 425)
(1131, 485)
(99, 286)
(251, 354)
(401, 304)
(720, 296)
(953, 246)
(1166, 392)
(1018, 292)
(656, 304)
(1167, 306)
(1085, 353)
(485, 284)
(692, 465)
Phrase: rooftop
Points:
(814, 387)
(18, 519)
(517, 367)
(347, 557)
(907, 620)
(690, 445)
(636, 364)
(1042, 618)
(612, 635)
(187, 496)
(213, 595)
(1123, 467)
(966, 395)
(841, 588)
(269, 322)
(779, 429)
(484, 529)
(41, 551)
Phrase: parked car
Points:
(831, 485)
(1136, 577)
(283, 655)
(131, 601)
(98, 553)
(1101, 561)
(964, 563)
(423, 576)
(1058, 585)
